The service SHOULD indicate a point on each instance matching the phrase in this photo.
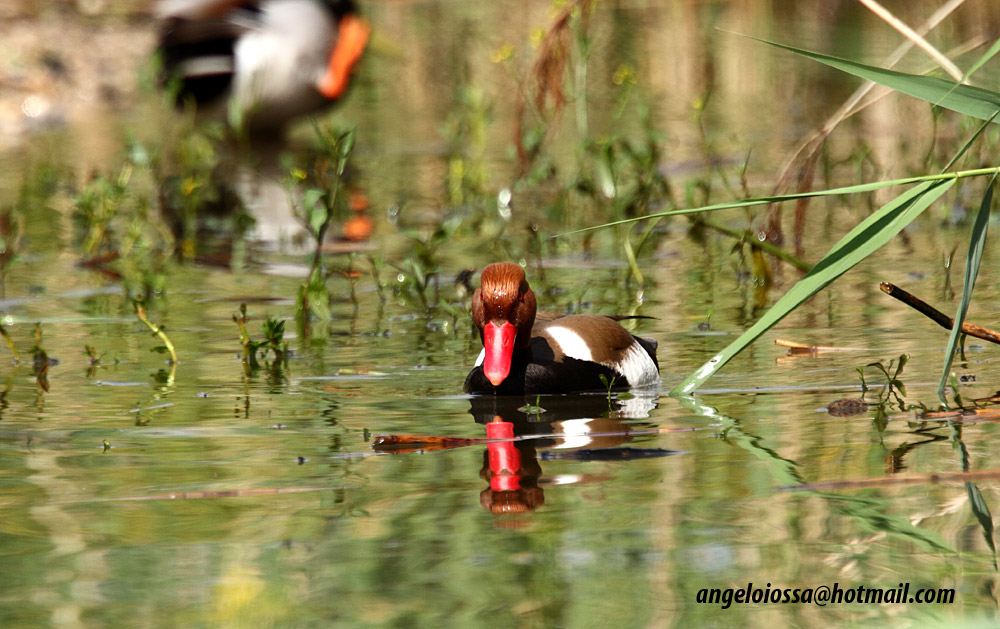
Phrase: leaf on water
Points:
(866, 238)
(531, 409)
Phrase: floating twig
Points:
(797, 348)
(936, 315)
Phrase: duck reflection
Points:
(576, 427)
(512, 471)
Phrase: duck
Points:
(260, 63)
(527, 353)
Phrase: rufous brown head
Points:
(503, 308)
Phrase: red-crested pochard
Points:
(261, 62)
(559, 355)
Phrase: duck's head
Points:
(503, 308)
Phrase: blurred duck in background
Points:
(261, 63)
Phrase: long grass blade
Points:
(965, 99)
(976, 245)
(859, 243)
(782, 198)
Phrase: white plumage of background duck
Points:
(261, 63)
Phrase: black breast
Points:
(538, 369)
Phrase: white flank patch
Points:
(261, 67)
(637, 367)
(482, 357)
(286, 52)
(571, 343)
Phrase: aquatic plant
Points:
(533, 409)
(187, 172)
(168, 347)
(315, 193)
(465, 132)
(891, 388)
(119, 229)
(420, 268)
(618, 173)
(623, 177)
(254, 352)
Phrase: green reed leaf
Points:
(977, 243)
(973, 101)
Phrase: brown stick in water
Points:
(936, 315)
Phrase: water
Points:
(135, 493)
